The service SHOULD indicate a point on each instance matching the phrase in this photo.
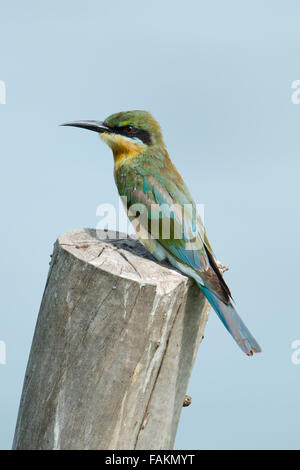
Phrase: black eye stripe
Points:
(131, 131)
(144, 136)
(127, 130)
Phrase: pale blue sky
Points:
(217, 75)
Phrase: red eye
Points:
(130, 129)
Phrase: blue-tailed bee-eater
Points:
(146, 176)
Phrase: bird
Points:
(146, 178)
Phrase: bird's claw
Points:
(222, 266)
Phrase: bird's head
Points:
(126, 132)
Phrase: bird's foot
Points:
(222, 266)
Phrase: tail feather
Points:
(233, 323)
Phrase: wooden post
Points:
(113, 348)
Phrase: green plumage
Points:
(155, 191)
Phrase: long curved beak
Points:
(96, 126)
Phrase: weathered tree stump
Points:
(113, 349)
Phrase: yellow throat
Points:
(123, 148)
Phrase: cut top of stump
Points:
(122, 255)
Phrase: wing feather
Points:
(192, 248)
